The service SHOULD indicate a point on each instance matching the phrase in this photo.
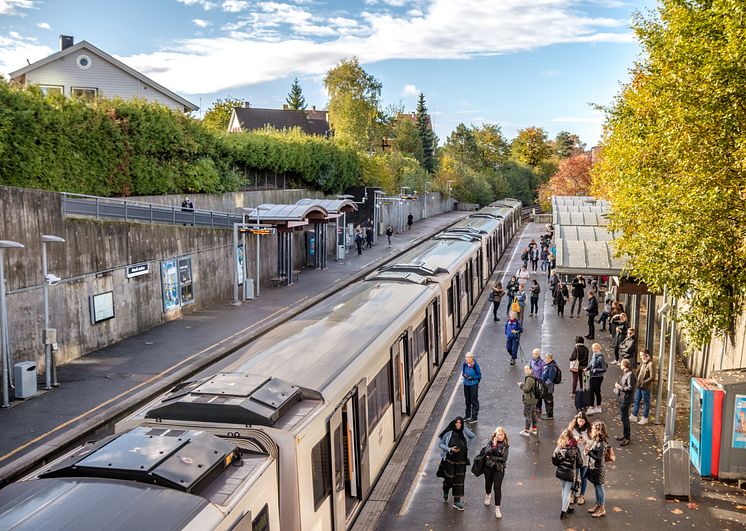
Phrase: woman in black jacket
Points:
(566, 458)
(495, 457)
(560, 297)
(579, 354)
(597, 466)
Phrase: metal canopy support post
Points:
(48, 335)
(661, 351)
(235, 263)
(650, 324)
(671, 352)
(636, 299)
(5, 343)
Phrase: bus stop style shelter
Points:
(337, 209)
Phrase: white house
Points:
(83, 70)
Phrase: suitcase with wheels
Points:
(583, 396)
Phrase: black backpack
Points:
(540, 389)
(558, 376)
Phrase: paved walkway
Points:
(113, 380)
(531, 494)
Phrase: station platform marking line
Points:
(421, 469)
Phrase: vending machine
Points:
(732, 457)
(705, 426)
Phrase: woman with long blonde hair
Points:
(496, 455)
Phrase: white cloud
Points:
(43, 25)
(551, 72)
(234, 6)
(15, 52)
(280, 39)
(11, 7)
(410, 90)
(201, 23)
(204, 4)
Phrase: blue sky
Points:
(514, 62)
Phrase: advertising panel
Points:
(170, 285)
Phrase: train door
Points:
(450, 315)
(401, 364)
(480, 278)
(348, 444)
(463, 297)
(433, 333)
(457, 290)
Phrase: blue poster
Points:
(739, 422)
(170, 285)
(239, 264)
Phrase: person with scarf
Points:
(581, 431)
(566, 458)
(454, 444)
(496, 455)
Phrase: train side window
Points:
(321, 463)
(261, 522)
(420, 341)
(339, 479)
(450, 299)
(379, 396)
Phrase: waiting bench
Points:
(282, 279)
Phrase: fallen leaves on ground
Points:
(651, 498)
(692, 505)
(677, 511)
(616, 509)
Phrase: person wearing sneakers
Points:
(537, 368)
(454, 446)
(578, 361)
(534, 292)
(596, 370)
(566, 458)
(528, 386)
(495, 458)
(472, 374)
(497, 295)
(624, 389)
(513, 330)
(597, 466)
(645, 383)
(548, 376)
(581, 430)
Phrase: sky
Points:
(517, 63)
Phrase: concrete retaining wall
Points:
(232, 201)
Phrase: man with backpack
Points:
(551, 375)
(532, 389)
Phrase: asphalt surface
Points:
(94, 385)
(531, 493)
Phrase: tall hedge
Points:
(120, 148)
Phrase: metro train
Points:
(295, 433)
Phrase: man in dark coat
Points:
(578, 293)
(591, 309)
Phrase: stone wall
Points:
(233, 201)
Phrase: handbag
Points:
(609, 455)
(441, 473)
(491, 296)
(515, 307)
(477, 468)
(574, 365)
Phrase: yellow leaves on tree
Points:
(573, 177)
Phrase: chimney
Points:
(313, 107)
(284, 106)
(246, 105)
(66, 41)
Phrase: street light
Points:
(5, 244)
(424, 204)
(49, 335)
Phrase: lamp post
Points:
(424, 204)
(49, 335)
(5, 244)
(448, 182)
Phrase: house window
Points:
(52, 89)
(84, 92)
(83, 62)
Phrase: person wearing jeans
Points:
(566, 458)
(645, 382)
(625, 389)
(596, 370)
(597, 466)
(471, 374)
(513, 330)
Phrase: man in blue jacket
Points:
(548, 375)
(472, 374)
(513, 331)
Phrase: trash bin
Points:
(675, 470)
(24, 373)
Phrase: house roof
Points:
(116, 62)
(251, 118)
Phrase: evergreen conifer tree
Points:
(295, 99)
(426, 134)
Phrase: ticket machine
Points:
(705, 423)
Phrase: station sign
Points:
(137, 269)
(259, 230)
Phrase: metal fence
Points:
(126, 210)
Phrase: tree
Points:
(354, 99)
(462, 146)
(427, 136)
(407, 139)
(573, 177)
(531, 146)
(673, 162)
(295, 99)
(567, 144)
(492, 145)
(218, 116)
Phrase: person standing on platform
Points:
(534, 256)
(369, 236)
(497, 295)
(529, 403)
(537, 369)
(581, 430)
(628, 348)
(549, 376)
(625, 390)
(544, 258)
(512, 289)
(496, 457)
(578, 294)
(597, 466)
(596, 370)
(560, 297)
(389, 233)
(410, 221)
(591, 309)
(620, 326)
(645, 382)
(472, 374)
(535, 291)
(523, 276)
(525, 255)
(513, 331)
(566, 458)
(553, 281)
(520, 298)
(359, 241)
(454, 446)
(578, 362)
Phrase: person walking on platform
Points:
(628, 348)
(560, 298)
(549, 377)
(578, 294)
(553, 280)
(497, 295)
(535, 291)
(597, 466)
(523, 276)
(472, 374)
(359, 242)
(530, 400)
(369, 236)
(578, 362)
(566, 458)
(596, 370)
(410, 221)
(513, 331)
(645, 382)
(496, 457)
(389, 233)
(581, 430)
(591, 309)
(624, 389)
(520, 298)
(512, 289)
(454, 447)
(525, 255)
(534, 256)
(537, 369)
(544, 255)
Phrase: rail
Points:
(128, 210)
(528, 212)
